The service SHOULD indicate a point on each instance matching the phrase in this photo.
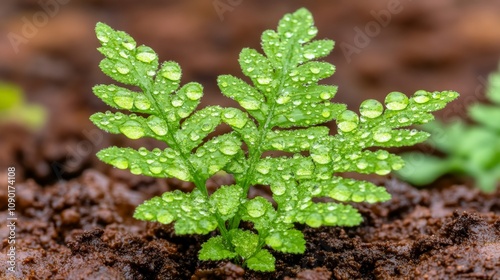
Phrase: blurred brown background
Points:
(48, 47)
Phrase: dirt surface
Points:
(75, 213)
(82, 229)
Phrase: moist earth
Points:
(82, 229)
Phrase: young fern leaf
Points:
(284, 109)
(285, 101)
(165, 104)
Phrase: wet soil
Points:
(82, 229)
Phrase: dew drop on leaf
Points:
(371, 108)
(177, 103)
(309, 55)
(135, 169)
(171, 73)
(362, 164)
(102, 36)
(348, 121)
(124, 100)
(145, 55)
(143, 151)
(132, 129)
(325, 95)
(157, 125)
(164, 217)
(255, 208)
(141, 102)
(229, 149)
(194, 92)
(314, 220)
(278, 188)
(155, 168)
(121, 163)
(382, 168)
(128, 45)
(396, 101)
(263, 80)
(122, 69)
(249, 104)
(330, 219)
(382, 135)
(421, 96)
(315, 70)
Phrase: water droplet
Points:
(194, 137)
(135, 169)
(278, 188)
(141, 102)
(132, 129)
(250, 104)
(396, 101)
(382, 168)
(123, 54)
(325, 95)
(178, 173)
(288, 34)
(157, 125)
(194, 92)
(348, 121)
(256, 208)
(321, 158)
(314, 220)
(177, 103)
(371, 108)
(143, 151)
(326, 113)
(274, 241)
(340, 193)
(146, 55)
(155, 168)
(330, 219)
(283, 99)
(172, 73)
(382, 154)
(164, 217)
(229, 114)
(382, 135)
(122, 69)
(124, 100)
(263, 167)
(397, 165)
(229, 149)
(206, 127)
(121, 163)
(129, 45)
(315, 70)
(421, 96)
(312, 31)
(362, 164)
(264, 80)
(102, 36)
(309, 55)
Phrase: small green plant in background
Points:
(469, 149)
(285, 109)
(13, 108)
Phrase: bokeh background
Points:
(48, 48)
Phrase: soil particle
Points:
(82, 229)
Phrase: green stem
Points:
(172, 142)
(256, 153)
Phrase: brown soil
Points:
(82, 229)
(75, 213)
